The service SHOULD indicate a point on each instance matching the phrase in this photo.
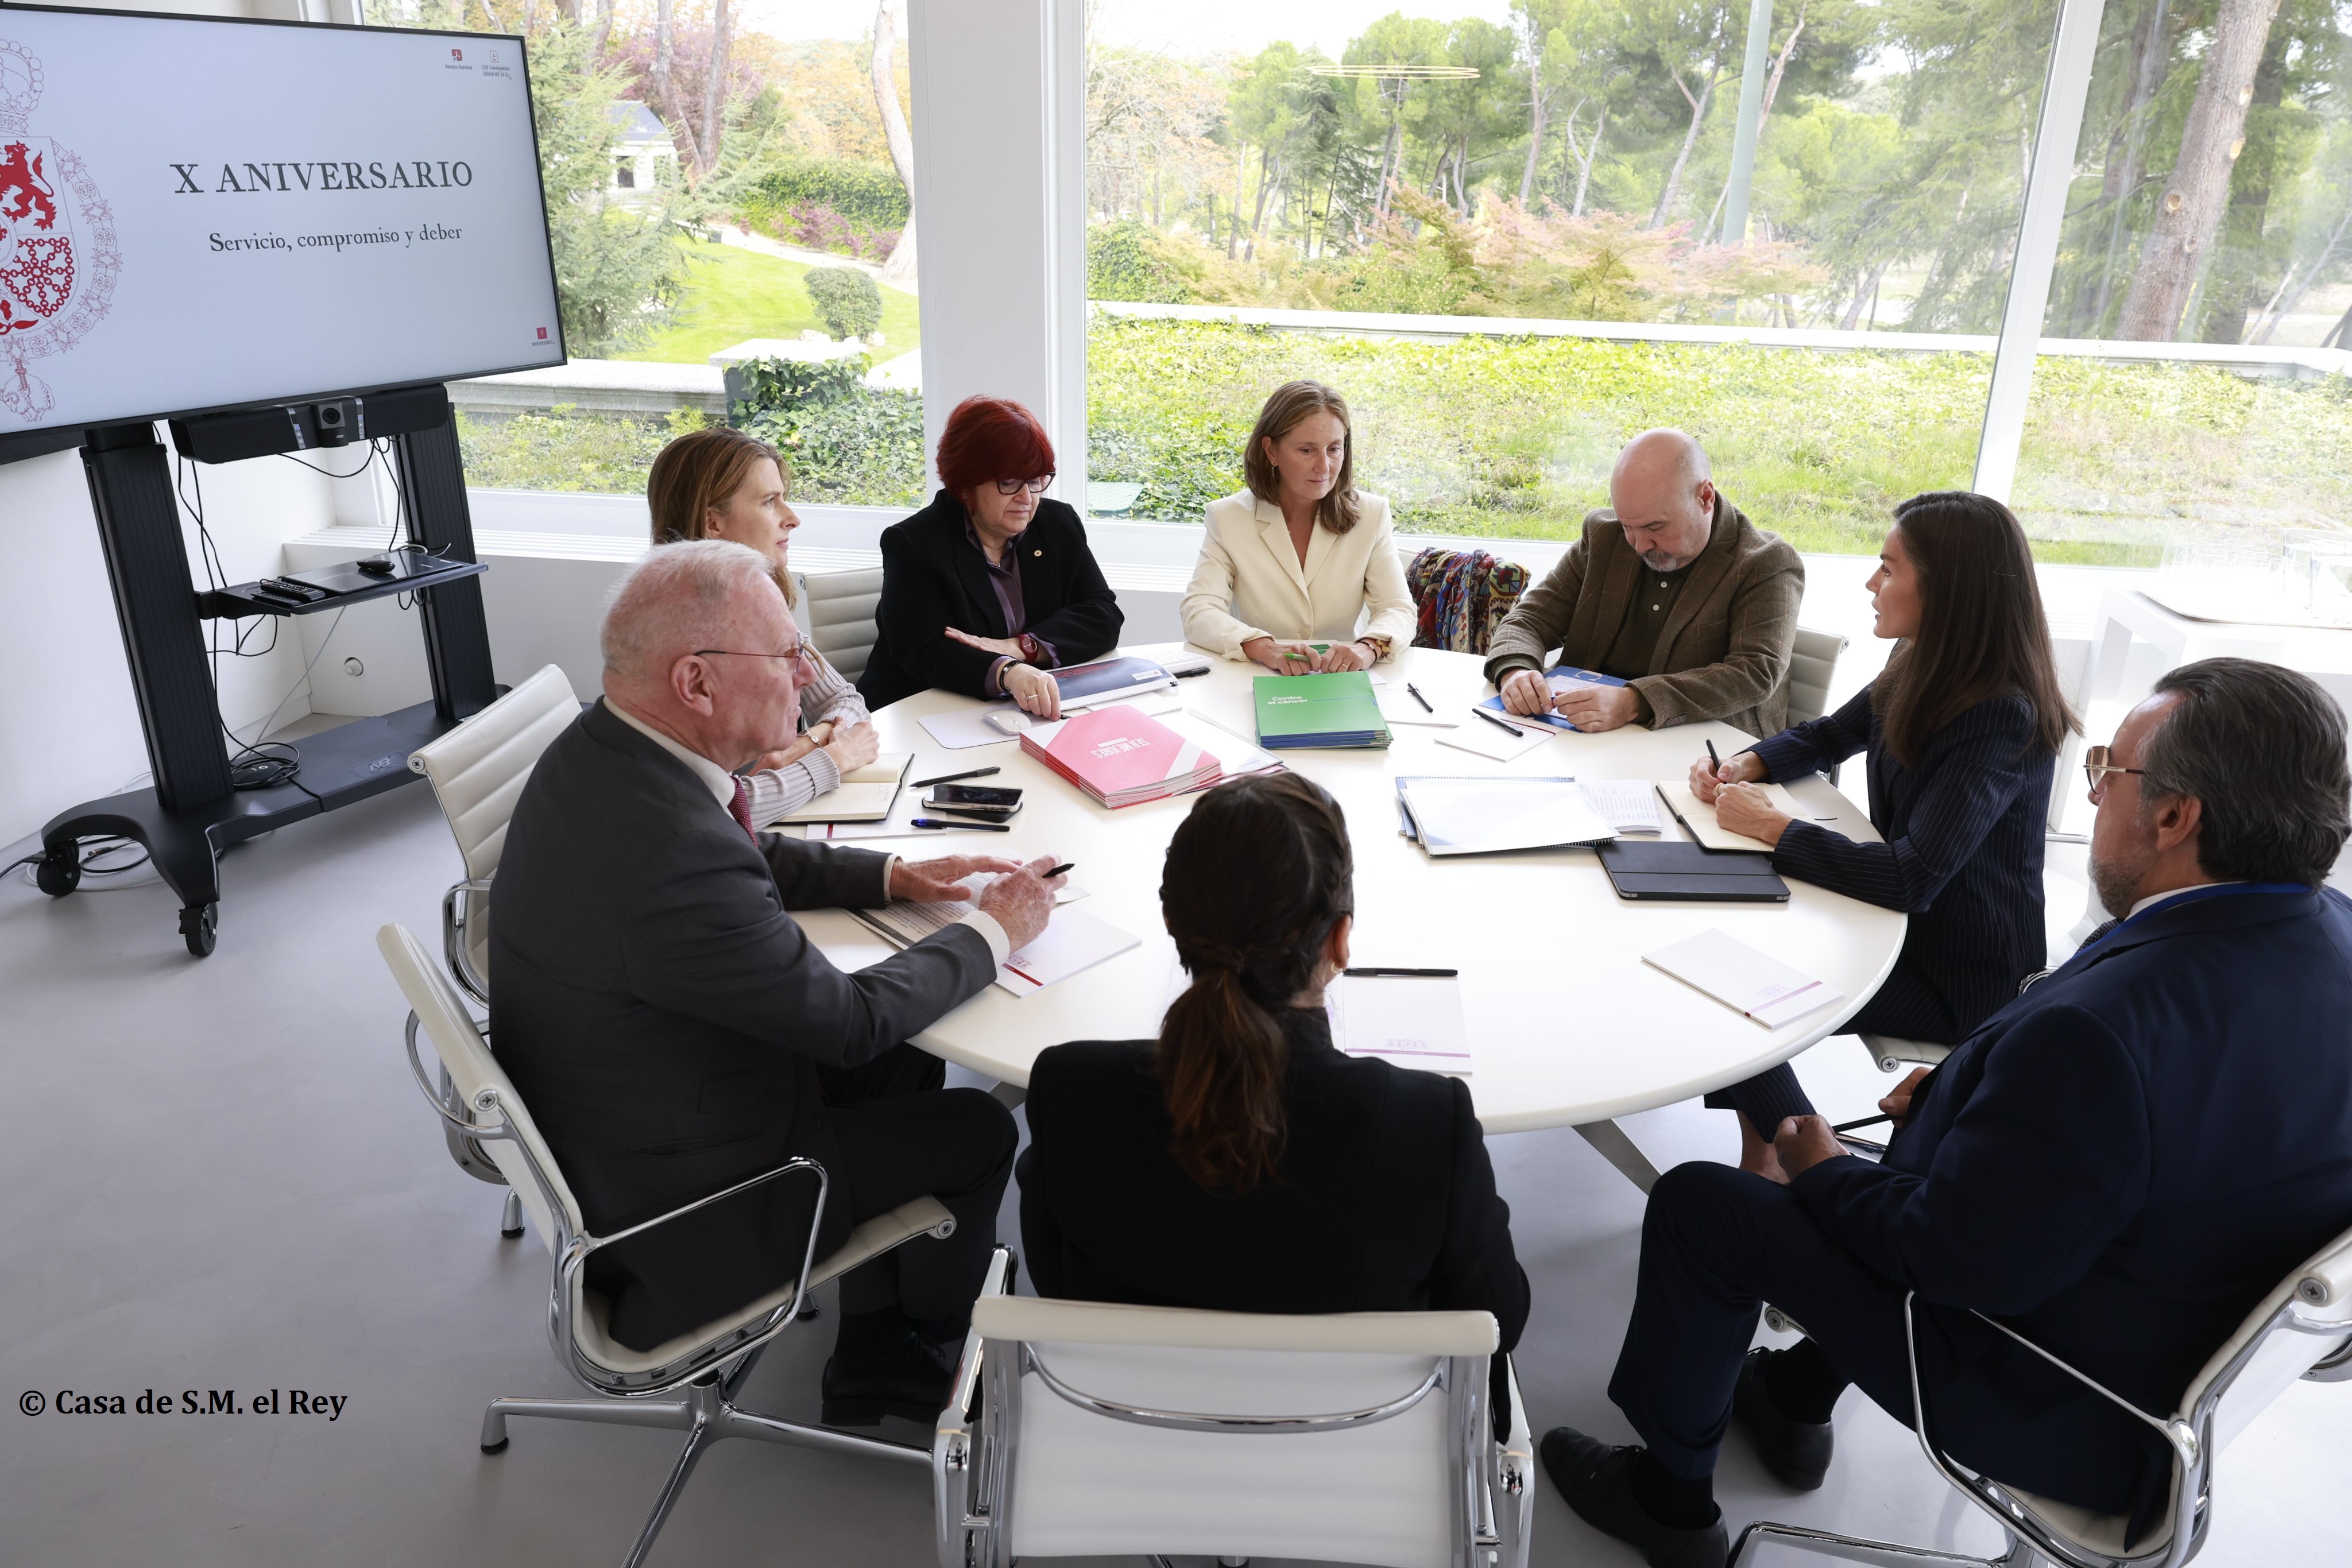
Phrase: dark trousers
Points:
(902, 1135)
(1717, 1243)
(1902, 1007)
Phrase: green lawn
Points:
(734, 294)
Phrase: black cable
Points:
(88, 854)
(330, 473)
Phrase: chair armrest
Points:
(955, 1468)
(596, 1243)
(2176, 1434)
(440, 1104)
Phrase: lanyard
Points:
(2190, 896)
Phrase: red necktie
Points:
(740, 808)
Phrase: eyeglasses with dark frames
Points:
(1014, 487)
(2096, 767)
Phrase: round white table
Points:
(1567, 1026)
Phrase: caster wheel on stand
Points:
(198, 925)
(60, 872)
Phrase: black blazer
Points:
(2118, 1165)
(933, 578)
(1385, 1200)
(663, 1017)
(1962, 857)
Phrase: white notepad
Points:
(1630, 805)
(1398, 707)
(1073, 940)
(1413, 1021)
(961, 728)
(1699, 818)
(1487, 816)
(865, 795)
(1487, 740)
(1754, 985)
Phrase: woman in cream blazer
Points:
(1298, 557)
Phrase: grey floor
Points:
(218, 1176)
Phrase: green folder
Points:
(1333, 710)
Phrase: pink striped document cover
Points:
(1122, 757)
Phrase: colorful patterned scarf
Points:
(1462, 596)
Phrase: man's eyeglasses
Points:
(1014, 487)
(2096, 767)
(798, 652)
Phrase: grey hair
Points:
(676, 599)
(2262, 749)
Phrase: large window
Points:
(726, 189)
(1817, 303)
(2186, 395)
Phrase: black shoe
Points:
(1798, 1452)
(1598, 1482)
(911, 1380)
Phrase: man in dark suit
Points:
(2118, 1165)
(674, 1032)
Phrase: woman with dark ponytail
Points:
(1240, 1162)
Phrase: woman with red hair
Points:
(992, 586)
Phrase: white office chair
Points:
(2302, 1329)
(704, 1368)
(476, 770)
(1080, 1428)
(837, 612)
(1812, 665)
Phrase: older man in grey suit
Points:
(675, 1032)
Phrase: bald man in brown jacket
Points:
(1671, 589)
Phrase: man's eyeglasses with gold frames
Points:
(2096, 767)
(796, 653)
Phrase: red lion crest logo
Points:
(57, 255)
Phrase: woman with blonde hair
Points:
(1290, 564)
(722, 483)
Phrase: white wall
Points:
(1000, 107)
(68, 724)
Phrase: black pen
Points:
(1402, 974)
(952, 778)
(1065, 865)
(1419, 698)
(975, 827)
(1489, 715)
(1712, 760)
(1865, 1121)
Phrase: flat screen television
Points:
(200, 213)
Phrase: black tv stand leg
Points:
(184, 845)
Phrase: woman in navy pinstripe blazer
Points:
(1962, 729)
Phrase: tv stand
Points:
(193, 812)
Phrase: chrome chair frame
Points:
(457, 914)
(2189, 1436)
(976, 1445)
(708, 1377)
